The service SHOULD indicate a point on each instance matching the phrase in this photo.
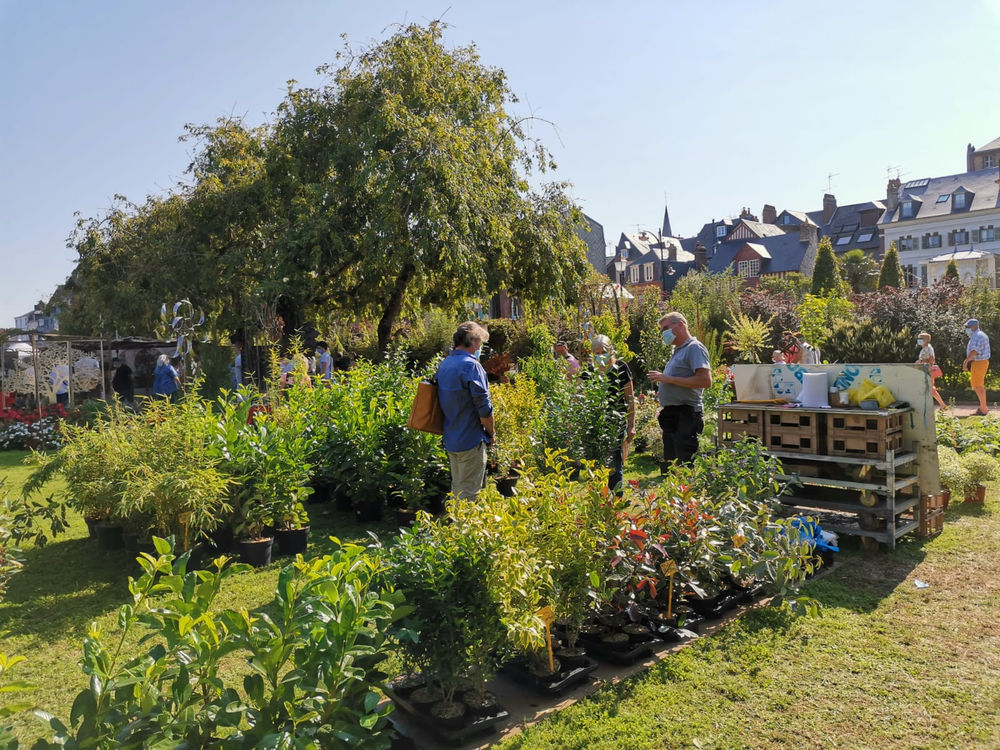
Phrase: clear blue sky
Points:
(711, 106)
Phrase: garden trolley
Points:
(861, 472)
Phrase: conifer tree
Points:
(826, 273)
(951, 272)
(891, 273)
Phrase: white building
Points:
(935, 220)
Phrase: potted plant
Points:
(516, 413)
(982, 468)
(953, 473)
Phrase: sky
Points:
(707, 107)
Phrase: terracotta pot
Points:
(976, 495)
(945, 497)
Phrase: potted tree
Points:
(516, 413)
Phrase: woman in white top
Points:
(926, 357)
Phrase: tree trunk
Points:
(392, 308)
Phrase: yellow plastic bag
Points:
(860, 392)
(883, 395)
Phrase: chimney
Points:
(700, 256)
(768, 214)
(671, 250)
(892, 195)
(969, 166)
(807, 233)
(829, 208)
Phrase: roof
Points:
(760, 228)
(845, 228)
(759, 249)
(594, 237)
(982, 184)
(785, 253)
(964, 255)
(645, 247)
(991, 146)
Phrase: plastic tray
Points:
(479, 725)
(565, 680)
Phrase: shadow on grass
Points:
(65, 585)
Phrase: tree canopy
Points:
(402, 180)
(860, 271)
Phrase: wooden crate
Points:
(862, 445)
(862, 423)
(793, 418)
(793, 439)
(734, 424)
(931, 514)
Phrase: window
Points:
(958, 201)
(720, 231)
(989, 161)
(943, 198)
(987, 234)
(647, 272)
(907, 243)
(960, 237)
(866, 237)
(748, 268)
(786, 219)
(932, 241)
(844, 240)
(906, 209)
(633, 274)
(923, 275)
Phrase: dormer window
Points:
(906, 209)
(958, 200)
(989, 161)
(720, 231)
(786, 219)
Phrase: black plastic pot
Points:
(92, 526)
(292, 541)
(322, 493)
(403, 686)
(571, 658)
(110, 536)
(506, 486)
(486, 706)
(255, 552)
(342, 499)
(405, 516)
(425, 697)
(449, 715)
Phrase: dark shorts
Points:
(681, 427)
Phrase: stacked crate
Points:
(737, 423)
(793, 432)
(864, 435)
(931, 514)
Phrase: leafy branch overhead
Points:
(404, 177)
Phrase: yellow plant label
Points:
(668, 567)
(547, 616)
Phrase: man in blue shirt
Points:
(465, 400)
(680, 386)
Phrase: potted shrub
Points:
(442, 572)
(516, 413)
(982, 468)
(953, 473)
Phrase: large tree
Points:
(401, 181)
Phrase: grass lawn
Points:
(887, 665)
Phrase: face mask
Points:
(968, 331)
(920, 342)
(668, 336)
(478, 353)
(600, 359)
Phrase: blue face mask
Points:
(968, 331)
(668, 336)
(600, 359)
(478, 353)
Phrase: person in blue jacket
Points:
(464, 394)
(166, 383)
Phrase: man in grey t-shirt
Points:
(680, 385)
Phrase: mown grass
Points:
(70, 583)
(887, 665)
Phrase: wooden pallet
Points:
(931, 514)
(792, 418)
(793, 439)
(735, 424)
(868, 446)
(880, 424)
